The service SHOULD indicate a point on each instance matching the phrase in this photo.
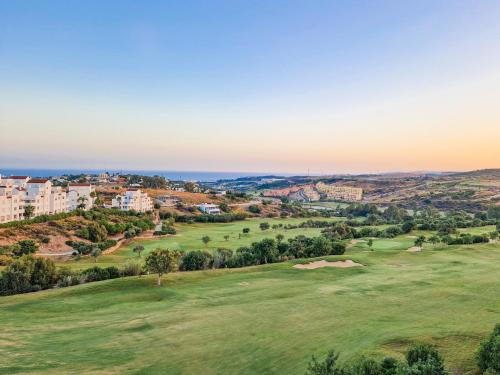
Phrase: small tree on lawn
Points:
(280, 237)
(419, 241)
(95, 253)
(434, 240)
(226, 237)
(246, 230)
(138, 250)
(162, 261)
(264, 226)
(206, 240)
(370, 244)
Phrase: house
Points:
(133, 199)
(209, 208)
(81, 196)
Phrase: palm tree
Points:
(82, 202)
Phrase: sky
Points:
(263, 86)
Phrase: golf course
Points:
(266, 319)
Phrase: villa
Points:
(133, 199)
(210, 209)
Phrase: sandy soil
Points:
(323, 263)
(414, 249)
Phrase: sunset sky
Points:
(264, 86)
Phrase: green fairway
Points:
(259, 320)
(189, 236)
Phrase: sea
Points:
(201, 176)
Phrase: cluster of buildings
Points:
(339, 192)
(313, 193)
(23, 197)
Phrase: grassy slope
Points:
(259, 320)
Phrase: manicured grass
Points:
(260, 320)
(189, 236)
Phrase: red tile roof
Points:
(37, 181)
(18, 177)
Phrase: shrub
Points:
(328, 366)
(131, 269)
(425, 357)
(488, 355)
(24, 247)
(196, 260)
(254, 209)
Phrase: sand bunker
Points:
(323, 263)
(414, 249)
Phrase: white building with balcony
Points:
(81, 196)
(133, 199)
(209, 208)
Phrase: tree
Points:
(488, 355)
(265, 250)
(196, 260)
(95, 253)
(206, 240)
(264, 226)
(138, 249)
(29, 210)
(434, 240)
(328, 366)
(226, 237)
(82, 202)
(370, 244)
(245, 230)
(419, 241)
(97, 232)
(162, 261)
(494, 235)
(280, 237)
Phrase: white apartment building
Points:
(58, 200)
(133, 199)
(18, 192)
(210, 209)
(11, 204)
(80, 194)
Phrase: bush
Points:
(131, 269)
(488, 355)
(425, 357)
(254, 209)
(196, 260)
(28, 274)
(25, 247)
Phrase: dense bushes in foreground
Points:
(419, 360)
(29, 274)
